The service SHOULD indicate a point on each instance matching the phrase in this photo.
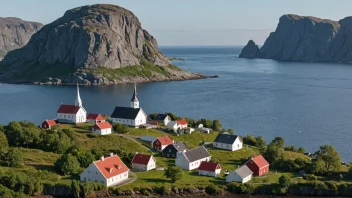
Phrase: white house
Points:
(109, 171)
(182, 123)
(192, 159)
(173, 125)
(72, 113)
(143, 162)
(242, 175)
(212, 169)
(131, 116)
(189, 130)
(228, 141)
(162, 118)
(102, 128)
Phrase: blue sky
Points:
(193, 22)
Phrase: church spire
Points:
(78, 101)
(134, 100)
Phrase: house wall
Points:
(263, 171)
(93, 174)
(141, 119)
(210, 173)
(182, 162)
(123, 121)
(157, 145)
(170, 152)
(101, 132)
(233, 177)
(167, 120)
(237, 145)
(81, 116)
(151, 165)
(117, 179)
(68, 118)
(253, 167)
(196, 164)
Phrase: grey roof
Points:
(180, 146)
(125, 113)
(243, 171)
(197, 154)
(226, 138)
(160, 117)
(147, 138)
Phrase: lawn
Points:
(196, 138)
(146, 132)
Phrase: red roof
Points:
(68, 109)
(154, 122)
(260, 161)
(111, 166)
(93, 116)
(209, 166)
(102, 125)
(182, 122)
(166, 140)
(50, 122)
(141, 159)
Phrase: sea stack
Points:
(251, 50)
(309, 39)
(86, 46)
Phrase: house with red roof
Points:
(182, 123)
(47, 124)
(94, 118)
(102, 128)
(258, 165)
(161, 142)
(212, 169)
(108, 171)
(143, 162)
(72, 113)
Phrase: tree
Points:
(231, 131)
(217, 126)
(328, 160)
(290, 148)
(152, 116)
(273, 154)
(85, 158)
(14, 133)
(174, 173)
(278, 141)
(67, 164)
(285, 181)
(260, 143)
(75, 187)
(173, 116)
(14, 157)
(120, 128)
(4, 145)
(301, 150)
(250, 140)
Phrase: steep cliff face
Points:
(299, 38)
(15, 33)
(251, 50)
(95, 44)
(90, 36)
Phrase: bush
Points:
(233, 187)
(163, 190)
(14, 158)
(285, 181)
(120, 128)
(290, 148)
(246, 189)
(310, 177)
(212, 190)
(145, 191)
(67, 164)
(301, 150)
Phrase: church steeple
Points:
(78, 101)
(134, 100)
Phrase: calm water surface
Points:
(309, 104)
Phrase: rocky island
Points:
(93, 45)
(307, 39)
(15, 33)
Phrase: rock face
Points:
(251, 50)
(91, 45)
(90, 36)
(300, 38)
(15, 33)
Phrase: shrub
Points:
(285, 181)
(92, 135)
(290, 148)
(233, 187)
(14, 157)
(163, 190)
(310, 177)
(67, 164)
(145, 191)
(212, 190)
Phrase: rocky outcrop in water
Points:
(311, 39)
(15, 33)
(87, 45)
(251, 50)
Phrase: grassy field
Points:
(147, 132)
(196, 138)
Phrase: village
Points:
(111, 171)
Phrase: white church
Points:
(72, 113)
(132, 116)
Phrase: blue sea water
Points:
(309, 104)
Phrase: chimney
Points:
(111, 154)
(102, 158)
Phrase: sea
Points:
(308, 104)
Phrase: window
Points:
(168, 155)
(169, 150)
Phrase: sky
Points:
(192, 22)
